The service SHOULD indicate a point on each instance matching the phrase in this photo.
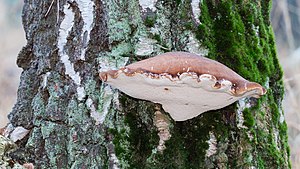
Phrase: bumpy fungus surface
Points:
(185, 84)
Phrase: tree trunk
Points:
(76, 121)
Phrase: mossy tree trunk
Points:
(75, 121)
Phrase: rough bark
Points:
(75, 121)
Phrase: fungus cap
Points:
(185, 84)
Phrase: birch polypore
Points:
(185, 84)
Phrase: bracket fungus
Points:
(185, 84)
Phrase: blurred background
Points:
(12, 39)
(285, 17)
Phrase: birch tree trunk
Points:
(75, 121)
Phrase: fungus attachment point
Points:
(185, 84)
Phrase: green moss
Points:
(282, 130)
(130, 145)
(120, 138)
(173, 157)
(238, 34)
(249, 120)
(188, 25)
(204, 32)
(157, 38)
(274, 151)
(188, 144)
(178, 2)
(266, 8)
(261, 163)
(185, 149)
(275, 114)
(150, 21)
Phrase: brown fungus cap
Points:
(185, 84)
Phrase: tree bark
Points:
(76, 121)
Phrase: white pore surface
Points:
(184, 97)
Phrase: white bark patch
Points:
(65, 27)
(267, 83)
(107, 96)
(8, 129)
(281, 118)
(145, 46)
(70, 69)
(256, 29)
(193, 45)
(250, 135)
(196, 10)
(162, 124)
(150, 4)
(18, 133)
(28, 166)
(115, 161)
(80, 93)
(106, 63)
(45, 79)
(212, 143)
(94, 113)
(87, 13)
(64, 30)
(242, 104)
(276, 138)
(116, 101)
